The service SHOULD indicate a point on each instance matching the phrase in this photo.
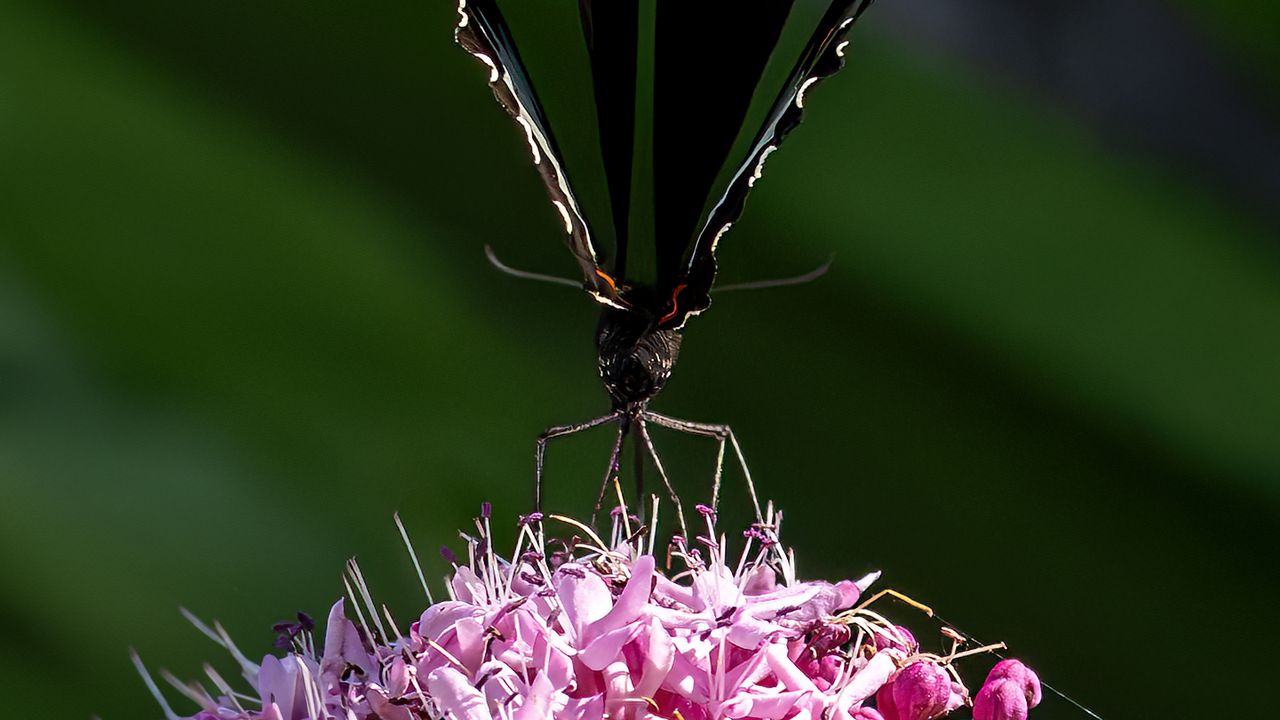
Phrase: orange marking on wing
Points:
(674, 307)
(605, 276)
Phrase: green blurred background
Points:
(245, 316)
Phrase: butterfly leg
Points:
(612, 472)
(643, 432)
(722, 434)
(550, 434)
(637, 460)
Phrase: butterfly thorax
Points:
(634, 356)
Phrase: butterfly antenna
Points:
(780, 282)
(503, 267)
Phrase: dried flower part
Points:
(586, 629)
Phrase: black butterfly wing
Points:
(483, 32)
(709, 59)
(823, 56)
(611, 28)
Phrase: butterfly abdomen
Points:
(634, 357)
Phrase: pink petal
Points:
(715, 588)
(762, 579)
(456, 696)
(280, 681)
(745, 674)
(903, 640)
(788, 674)
(470, 643)
(537, 702)
(618, 687)
(750, 632)
(468, 587)
(442, 616)
(551, 661)
(385, 709)
(342, 646)
(499, 682)
(588, 708)
(672, 593)
(870, 678)
(674, 619)
(867, 581)
(812, 602)
(274, 685)
(606, 648)
(632, 600)
(397, 678)
(657, 660)
(959, 697)
(687, 679)
(773, 706)
(885, 703)
(584, 599)
(848, 593)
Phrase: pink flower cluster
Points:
(586, 629)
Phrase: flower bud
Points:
(919, 692)
(1011, 689)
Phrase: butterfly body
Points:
(711, 57)
(635, 357)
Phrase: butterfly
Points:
(709, 57)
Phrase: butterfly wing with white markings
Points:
(823, 56)
(709, 58)
(483, 32)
